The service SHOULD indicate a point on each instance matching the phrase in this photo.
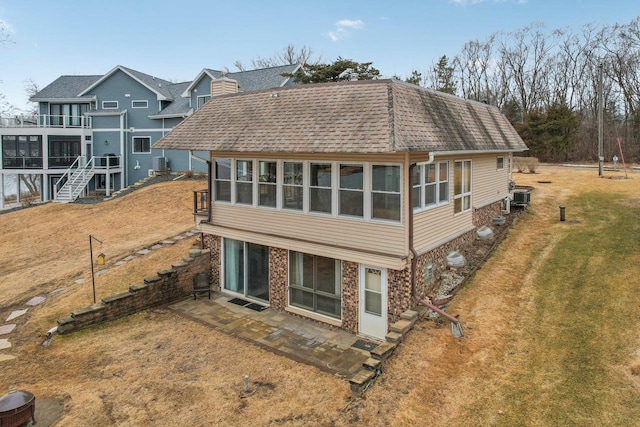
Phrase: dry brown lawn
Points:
(157, 368)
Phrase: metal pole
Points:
(93, 281)
(600, 121)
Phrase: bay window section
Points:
(462, 186)
(385, 192)
(222, 180)
(320, 188)
(351, 200)
(267, 186)
(244, 182)
(430, 185)
(292, 185)
(315, 284)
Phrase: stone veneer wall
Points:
(399, 296)
(214, 244)
(168, 286)
(278, 275)
(484, 215)
(350, 296)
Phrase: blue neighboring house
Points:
(96, 133)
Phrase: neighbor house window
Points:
(267, 186)
(141, 144)
(202, 99)
(109, 105)
(292, 185)
(140, 104)
(315, 284)
(500, 163)
(462, 186)
(351, 193)
(244, 182)
(320, 188)
(430, 185)
(222, 180)
(385, 192)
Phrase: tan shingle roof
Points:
(375, 116)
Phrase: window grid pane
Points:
(292, 189)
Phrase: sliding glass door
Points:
(246, 269)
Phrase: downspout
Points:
(414, 256)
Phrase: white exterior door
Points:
(373, 302)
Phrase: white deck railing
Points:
(46, 121)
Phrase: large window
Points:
(267, 185)
(141, 144)
(351, 199)
(67, 115)
(292, 186)
(364, 191)
(462, 186)
(63, 150)
(244, 182)
(22, 152)
(430, 185)
(222, 180)
(385, 192)
(314, 283)
(320, 195)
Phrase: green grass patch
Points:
(585, 324)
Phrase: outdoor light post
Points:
(93, 282)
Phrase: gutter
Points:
(414, 256)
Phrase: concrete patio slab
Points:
(325, 347)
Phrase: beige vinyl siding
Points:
(436, 226)
(489, 184)
(349, 233)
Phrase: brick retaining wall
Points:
(167, 286)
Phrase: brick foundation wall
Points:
(167, 286)
(350, 296)
(278, 275)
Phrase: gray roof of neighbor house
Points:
(65, 87)
(374, 116)
(179, 106)
(262, 78)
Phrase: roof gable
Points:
(376, 116)
(156, 85)
(65, 87)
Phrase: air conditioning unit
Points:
(521, 198)
(160, 164)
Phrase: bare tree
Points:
(288, 56)
(31, 88)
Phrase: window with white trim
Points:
(430, 185)
(351, 192)
(142, 103)
(293, 185)
(385, 192)
(462, 186)
(222, 180)
(141, 144)
(202, 99)
(244, 182)
(267, 184)
(109, 105)
(500, 163)
(320, 188)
